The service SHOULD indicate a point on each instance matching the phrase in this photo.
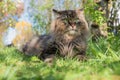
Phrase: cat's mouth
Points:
(72, 32)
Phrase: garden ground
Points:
(103, 64)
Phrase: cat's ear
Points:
(80, 11)
(56, 12)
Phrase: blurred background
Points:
(38, 13)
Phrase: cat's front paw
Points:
(49, 60)
(81, 57)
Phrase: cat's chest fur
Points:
(67, 38)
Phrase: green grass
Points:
(103, 64)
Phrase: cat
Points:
(70, 31)
(67, 37)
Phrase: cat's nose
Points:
(73, 26)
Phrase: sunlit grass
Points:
(103, 64)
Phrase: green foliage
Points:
(6, 7)
(93, 13)
(103, 63)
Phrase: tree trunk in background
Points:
(114, 18)
(111, 10)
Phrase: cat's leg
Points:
(47, 58)
(81, 56)
(50, 59)
(81, 51)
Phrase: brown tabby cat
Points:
(68, 35)
(70, 31)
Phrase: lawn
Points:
(103, 63)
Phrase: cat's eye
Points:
(65, 22)
(64, 17)
(77, 22)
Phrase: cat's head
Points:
(69, 22)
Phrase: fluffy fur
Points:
(68, 35)
(70, 31)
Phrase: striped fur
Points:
(70, 30)
(68, 35)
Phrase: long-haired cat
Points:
(68, 35)
(70, 31)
